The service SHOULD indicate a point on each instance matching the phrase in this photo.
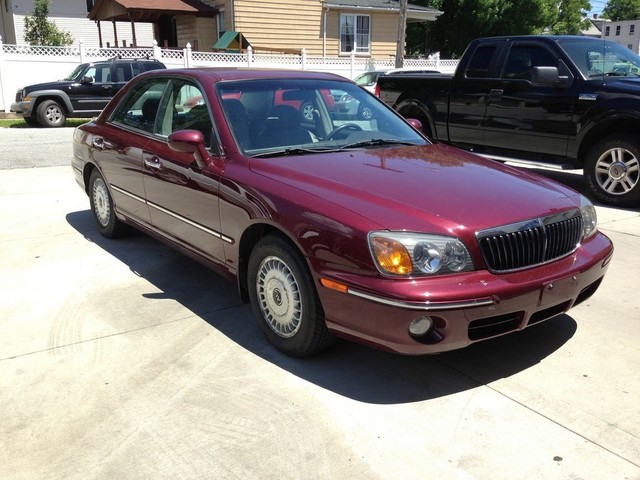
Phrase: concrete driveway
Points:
(125, 360)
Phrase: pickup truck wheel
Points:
(612, 170)
(102, 208)
(50, 114)
(284, 299)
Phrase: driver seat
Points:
(282, 127)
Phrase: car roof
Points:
(240, 73)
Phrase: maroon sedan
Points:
(336, 226)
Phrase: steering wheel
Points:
(347, 126)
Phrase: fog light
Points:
(420, 326)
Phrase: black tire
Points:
(32, 122)
(284, 299)
(102, 208)
(612, 170)
(51, 114)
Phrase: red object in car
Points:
(352, 226)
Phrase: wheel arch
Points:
(618, 124)
(418, 108)
(250, 237)
(57, 95)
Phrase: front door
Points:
(521, 117)
(182, 197)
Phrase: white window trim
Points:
(355, 16)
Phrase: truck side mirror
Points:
(548, 76)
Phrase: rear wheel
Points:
(50, 114)
(612, 170)
(284, 299)
(102, 208)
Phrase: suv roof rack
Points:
(120, 57)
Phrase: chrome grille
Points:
(533, 242)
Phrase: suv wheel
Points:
(50, 114)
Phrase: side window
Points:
(140, 107)
(185, 108)
(99, 73)
(122, 72)
(479, 64)
(522, 58)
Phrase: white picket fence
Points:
(22, 65)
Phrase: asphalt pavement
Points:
(122, 359)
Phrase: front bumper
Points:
(465, 308)
(21, 108)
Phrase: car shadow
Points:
(354, 371)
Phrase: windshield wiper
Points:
(377, 142)
(291, 151)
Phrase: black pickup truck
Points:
(566, 101)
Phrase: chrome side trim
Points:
(128, 194)
(216, 234)
(427, 306)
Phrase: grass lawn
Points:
(20, 123)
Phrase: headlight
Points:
(589, 217)
(405, 253)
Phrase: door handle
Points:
(153, 163)
(495, 95)
(100, 143)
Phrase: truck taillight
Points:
(377, 91)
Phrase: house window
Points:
(606, 31)
(632, 29)
(618, 30)
(220, 24)
(355, 33)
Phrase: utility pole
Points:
(402, 27)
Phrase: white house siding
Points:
(626, 37)
(71, 16)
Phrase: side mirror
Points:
(548, 76)
(415, 123)
(190, 141)
(86, 79)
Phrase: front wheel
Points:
(102, 207)
(612, 170)
(50, 114)
(284, 299)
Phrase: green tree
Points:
(464, 20)
(571, 17)
(622, 10)
(38, 30)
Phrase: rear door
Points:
(523, 119)
(468, 95)
(119, 150)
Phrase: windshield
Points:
(597, 58)
(281, 116)
(76, 71)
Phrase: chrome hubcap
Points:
(101, 202)
(279, 297)
(617, 171)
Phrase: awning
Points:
(148, 10)
(234, 41)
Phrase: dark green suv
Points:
(84, 93)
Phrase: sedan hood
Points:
(423, 188)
